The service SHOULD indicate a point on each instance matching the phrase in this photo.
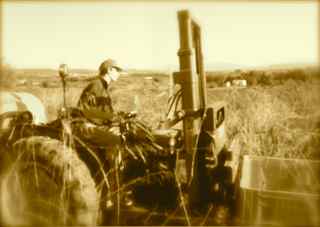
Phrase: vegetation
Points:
(266, 77)
(7, 76)
(277, 115)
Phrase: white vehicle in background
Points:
(239, 83)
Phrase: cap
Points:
(109, 63)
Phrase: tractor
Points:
(51, 174)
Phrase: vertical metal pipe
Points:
(191, 85)
(202, 72)
(64, 93)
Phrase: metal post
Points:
(192, 80)
(63, 73)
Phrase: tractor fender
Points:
(9, 121)
(23, 101)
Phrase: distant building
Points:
(239, 83)
(228, 84)
(36, 83)
(22, 82)
(236, 83)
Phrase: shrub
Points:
(45, 84)
(7, 76)
(296, 74)
(218, 79)
(265, 80)
(250, 78)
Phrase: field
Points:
(277, 114)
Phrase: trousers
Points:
(103, 136)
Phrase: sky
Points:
(144, 35)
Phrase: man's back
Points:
(95, 101)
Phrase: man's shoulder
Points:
(97, 84)
(96, 81)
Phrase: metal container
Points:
(278, 191)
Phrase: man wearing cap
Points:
(96, 105)
(95, 101)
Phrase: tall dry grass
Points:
(281, 120)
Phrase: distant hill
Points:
(227, 66)
(222, 66)
(292, 65)
(209, 67)
(213, 66)
(46, 71)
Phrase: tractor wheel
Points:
(47, 184)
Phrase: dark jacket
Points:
(101, 109)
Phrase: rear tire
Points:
(47, 184)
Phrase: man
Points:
(95, 101)
(96, 105)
